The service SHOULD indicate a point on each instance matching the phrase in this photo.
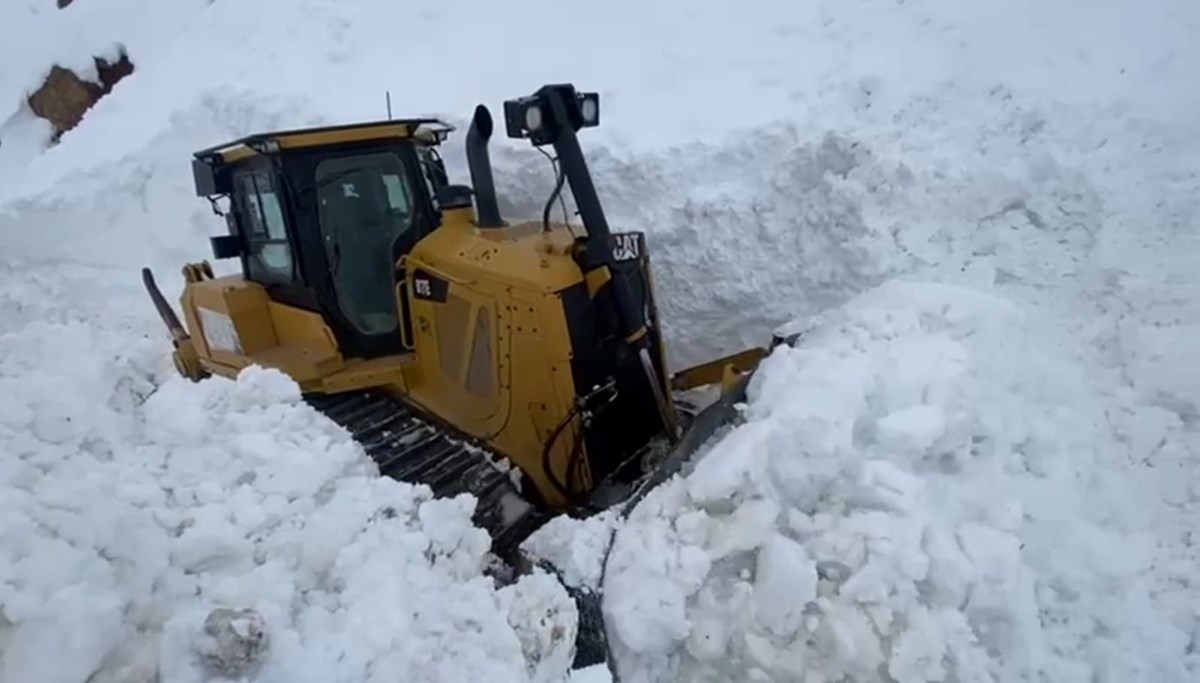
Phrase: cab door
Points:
(368, 216)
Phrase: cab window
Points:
(264, 229)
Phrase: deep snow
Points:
(134, 513)
(782, 158)
(924, 488)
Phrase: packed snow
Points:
(988, 478)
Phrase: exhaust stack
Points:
(487, 211)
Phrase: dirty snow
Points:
(1037, 160)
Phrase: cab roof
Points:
(429, 131)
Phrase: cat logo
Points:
(626, 247)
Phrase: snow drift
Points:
(924, 489)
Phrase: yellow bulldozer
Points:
(521, 363)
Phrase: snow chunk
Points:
(545, 620)
(915, 428)
(785, 581)
(233, 644)
(575, 547)
(597, 673)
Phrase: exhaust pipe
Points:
(487, 211)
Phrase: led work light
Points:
(540, 115)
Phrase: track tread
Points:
(408, 448)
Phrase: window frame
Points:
(316, 291)
(254, 266)
(401, 169)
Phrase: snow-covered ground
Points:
(993, 475)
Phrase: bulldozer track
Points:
(408, 448)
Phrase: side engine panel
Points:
(493, 360)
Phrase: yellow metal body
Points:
(493, 360)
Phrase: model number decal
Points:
(429, 287)
(626, 246)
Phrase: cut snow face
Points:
(923, 489)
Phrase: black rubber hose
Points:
(549, 446)
(558, 186)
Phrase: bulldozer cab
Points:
(321, 217)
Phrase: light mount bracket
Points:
(534, 118)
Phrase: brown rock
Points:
(64, 97)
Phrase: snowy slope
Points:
(783, 158)
(35, 35)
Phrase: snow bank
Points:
(131, 512)
(924, 488)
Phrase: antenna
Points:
(389, 104)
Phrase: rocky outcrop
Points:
(64, 97)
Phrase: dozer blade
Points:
(591, 641)
(718, 414)
(719, 370)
